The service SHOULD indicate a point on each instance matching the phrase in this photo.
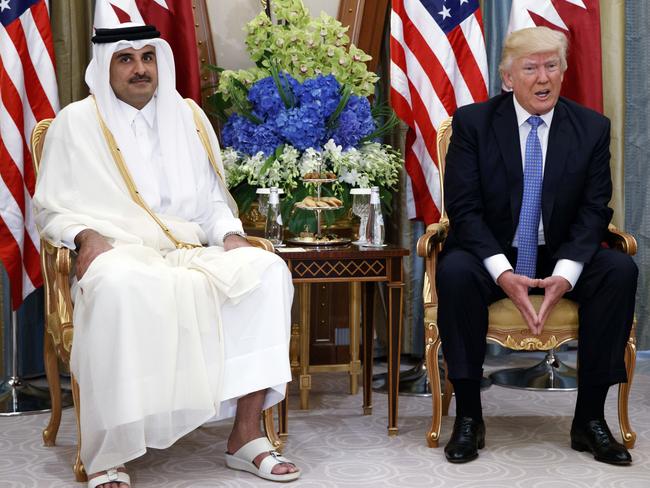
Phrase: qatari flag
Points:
(580, 21)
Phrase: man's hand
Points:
(90, 244)
(554, 288)
(516, 287)
(233, 241)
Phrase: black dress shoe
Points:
(595, 437)
(466, 439)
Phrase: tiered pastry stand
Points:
(318, 239)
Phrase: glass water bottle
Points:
(273, 230)
(375, 224)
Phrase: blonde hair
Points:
(533, 40)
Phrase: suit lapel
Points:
(507, 135)
(560, 138)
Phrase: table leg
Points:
(394, 344)
(367, 338)
(305, 377)
(355, 316)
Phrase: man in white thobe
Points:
(178, 320)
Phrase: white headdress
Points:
(174, 120)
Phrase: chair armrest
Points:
(56, 264)
(434, 235)
(261, 243)
(428, 247)
(621, 240)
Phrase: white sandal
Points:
(242, 460)
(110, 476)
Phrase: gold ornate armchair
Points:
(57, 265)
(506, 326)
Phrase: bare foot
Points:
(234, 443)
(110, 484)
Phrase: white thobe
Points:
(165, 339)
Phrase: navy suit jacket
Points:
(484, 180)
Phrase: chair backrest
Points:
(442, 143)
(37, 141)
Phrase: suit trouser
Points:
(605, 293)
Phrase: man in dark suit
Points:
(527, 187)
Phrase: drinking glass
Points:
(360, 208)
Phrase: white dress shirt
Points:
(497, 264)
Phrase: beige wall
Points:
(228, 18)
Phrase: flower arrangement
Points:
(302, 109)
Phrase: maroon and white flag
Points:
(580, 21)
(28, 94)
(175, 21)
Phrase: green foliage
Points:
(302, 46)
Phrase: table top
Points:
(350, 251)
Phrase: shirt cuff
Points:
(569, 270)
(496, 265)
(68, 235)
(234, 225)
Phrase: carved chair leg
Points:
(54, 383)
(78, 467)
(283, 417)
(432, 348)
(269, 429)
(447, 393)
(628, 435)
(294, 348)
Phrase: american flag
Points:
(175, 21)
(28, 93)
(438, 63)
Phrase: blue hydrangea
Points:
(265, 97)
(250, 138)
(305, 123)
(302, 127)
(322, 92)
(238, 132)
(354, 123)
(266, 139)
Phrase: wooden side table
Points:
(361, 267)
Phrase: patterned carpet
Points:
(336, 446)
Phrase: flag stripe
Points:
(32, 85)
(425, 207)
(467, 65)
(12, 177)
(8, 252)
(41, 19)
(40, 56)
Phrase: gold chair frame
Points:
(57, 265)
(516, 337)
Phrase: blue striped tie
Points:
(531, 207)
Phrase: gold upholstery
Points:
(506, 326)
(57, 265)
